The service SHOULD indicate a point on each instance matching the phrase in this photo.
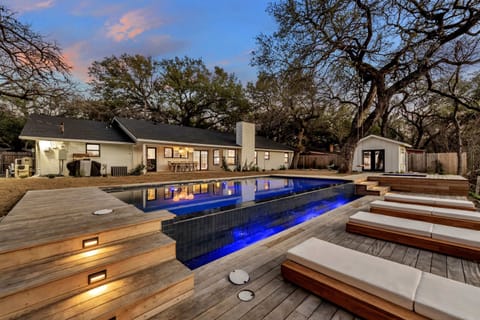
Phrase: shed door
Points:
(373, 160)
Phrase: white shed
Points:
(379, 154)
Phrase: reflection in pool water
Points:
(213, 196)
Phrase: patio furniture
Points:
(459, 242)
(451, 217)
(182, 166)
(375, 288)
(431, 201)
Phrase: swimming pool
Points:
(212, 196)
(217, 218)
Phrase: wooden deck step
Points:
(48, 280)
(141, 295)
(379, 190)
(21, 255)
(370, 188)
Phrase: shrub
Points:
(137, 171)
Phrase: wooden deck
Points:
(44, 218)
(215, 297)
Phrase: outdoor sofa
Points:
(375, 288)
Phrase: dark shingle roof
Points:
(48, 127)
(264, 143)
(146, 130)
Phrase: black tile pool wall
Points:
(197, 236)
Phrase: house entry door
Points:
(200, 157)
(151, 159)
(373, 160)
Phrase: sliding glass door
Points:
(200, 157)
(373, 160)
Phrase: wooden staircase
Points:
(370, 188)
(128, 272)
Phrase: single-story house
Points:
(159, 147)
(379, 154)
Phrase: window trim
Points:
(216, 157)
(89, 152)
(168, 152)
(234, 157)
(286, 157)
(266, 155)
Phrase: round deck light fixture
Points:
(102, 212)
(246, 295)
(238, 276)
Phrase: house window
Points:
(216, 157)
(267, 155)
(167, 152)
(92, 149)
(285, 158)
(231, 157)
(256, 158)
(180, 152)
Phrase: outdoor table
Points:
(182, 166)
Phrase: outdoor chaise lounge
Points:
(431, 201)
(375, 288)
(451, 217)
(459, 242)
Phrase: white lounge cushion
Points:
(458, 235)
(402, 207)
(408, 198)
(442, 298)
(454, 203)
(456, 214)
(416, 227)
(386, 279)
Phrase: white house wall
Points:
(392, 154)
(110, 155)
(276, 161)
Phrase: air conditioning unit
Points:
(22, 170)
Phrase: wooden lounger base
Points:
(436, 245)
(452, 222)
(350, 298)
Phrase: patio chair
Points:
(375, 288)
(459, 242)
(431, 201)
(447, 216)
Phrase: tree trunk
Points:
(347, 151)
(458, 134)
(299, 148)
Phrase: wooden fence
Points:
(445, 163)
(318, 160)
(8, 157)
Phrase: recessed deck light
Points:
(102, 212)
(97, 276)
(91, 242)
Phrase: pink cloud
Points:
(30, 5)
(74, 58)
(132, 24)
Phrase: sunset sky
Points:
(221, 32)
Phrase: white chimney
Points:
(245, 132)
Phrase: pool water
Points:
(212, 196)
(217, 218)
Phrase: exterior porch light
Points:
(91, 242)
(97, 276)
